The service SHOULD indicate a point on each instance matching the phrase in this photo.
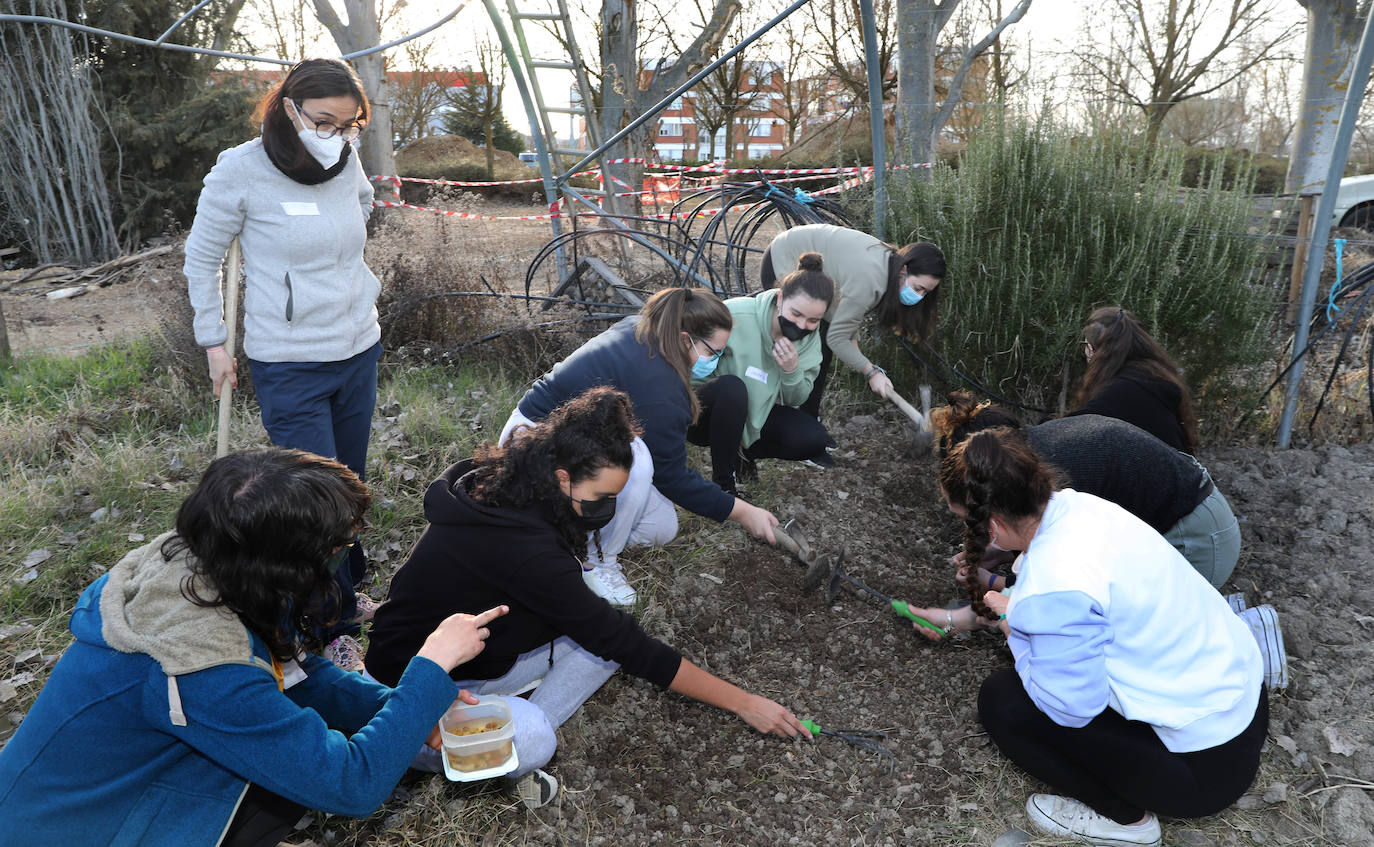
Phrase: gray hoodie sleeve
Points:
(219, 219)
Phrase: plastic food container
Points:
(478, 740)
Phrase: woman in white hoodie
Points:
(1136, 690)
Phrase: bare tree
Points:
(51, 178)
(417, 96)
(726, 93)
(840, 27)
(1206, 121)
(1156, 55)
(364, 30)
(919, 116)
(1270, 101)
(800, 87)
(478, 103)
(1333, 35)
(630, 85)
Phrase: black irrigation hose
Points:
(973, 383)
(1321, 325)
(1336, 366)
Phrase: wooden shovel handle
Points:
(907, 409)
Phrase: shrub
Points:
(1039, 227)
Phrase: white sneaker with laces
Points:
(610, 583)
(1065, 816)
(536, 789)
(1263, 621)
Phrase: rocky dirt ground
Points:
(641, 766)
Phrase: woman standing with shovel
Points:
(900, 284)
(298, 201)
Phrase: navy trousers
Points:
(326, 408)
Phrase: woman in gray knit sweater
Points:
(298, 201)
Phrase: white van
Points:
(1355, 203)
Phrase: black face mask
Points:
(595, 513)
(791, 331)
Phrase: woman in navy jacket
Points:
(181, 717)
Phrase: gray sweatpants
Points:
(569, 674)
(1209, 538)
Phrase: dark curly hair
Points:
(965, 416)
(261, 528)
(1120, 343)
(993, 471)
(587, 433)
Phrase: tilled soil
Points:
(640, 766)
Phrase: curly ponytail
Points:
(994, 471)
(589, 432)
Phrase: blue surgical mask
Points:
(908, 295)
(704, 366)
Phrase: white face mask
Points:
(326, 151)
(992, 545)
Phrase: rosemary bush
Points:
(1040, 226)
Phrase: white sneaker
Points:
(1065, 816)
(610, 583)
(536, 788)
(1264, 625)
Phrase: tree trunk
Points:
(363, 31)
(918, 24)
(4, 338)
(1333, 36)
(625, 93)
(491, 148)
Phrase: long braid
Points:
(993, 471)
(976, 538)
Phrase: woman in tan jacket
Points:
(900, 284)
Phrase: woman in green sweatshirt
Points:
(766, 371)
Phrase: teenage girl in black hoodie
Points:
(510, 523)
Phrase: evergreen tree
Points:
(167, 118)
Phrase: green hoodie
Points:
(749, 356)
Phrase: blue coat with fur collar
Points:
(161, 713)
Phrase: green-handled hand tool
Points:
(868, 739)
(901, 607)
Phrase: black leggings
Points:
(787, 434)
(812, 404)
(263, 819)
(1118, 767)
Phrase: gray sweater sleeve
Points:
(219, 219)
(365, 189)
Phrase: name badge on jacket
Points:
(300, 208)
(757, 373)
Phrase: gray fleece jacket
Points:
(308, 297)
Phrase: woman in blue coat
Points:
(181, 714)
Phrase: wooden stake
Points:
(1309, 202)
(231, 319)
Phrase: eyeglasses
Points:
(325, 129)
(715, 354)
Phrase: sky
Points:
(1048, 28)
